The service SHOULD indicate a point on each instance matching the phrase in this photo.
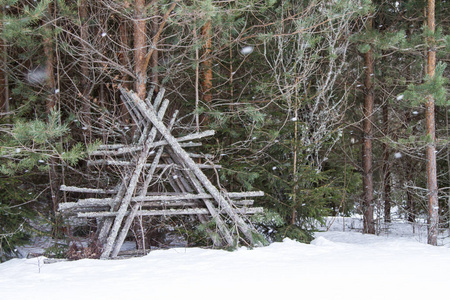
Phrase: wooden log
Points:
(123, 149)
(180, 152)
(156, 144)
(244, 194)
(120, 163)
(167, 212)
(103, 208)
(158, 98)
(143, 200)
(66, 188)
(164, 212)
(85, 203)
(159, 197)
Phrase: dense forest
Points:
(330, 107)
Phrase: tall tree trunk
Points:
(386, 168)
(4, 91)
(207, 66)
(155, 55)
(125, 62)
(433, 205)
(49, 72)
(54, 179)
(369, 226)
(140, 39)
(85, 82)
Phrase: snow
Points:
(37, 75)
(396, 264)
(247, 50)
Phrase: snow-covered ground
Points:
(338, 264)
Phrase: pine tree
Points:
(433, 206)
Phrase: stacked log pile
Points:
(155, 152)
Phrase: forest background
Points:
(323, 105)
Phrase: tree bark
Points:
(4, 91)
(369, 226)
(155, 56)
(49, 66)
(433, 205)
(386, 168)
(207, 66)
(49, 52)
(125, 62)
(140, 38)
(85, 82)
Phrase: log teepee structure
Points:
(154, 151)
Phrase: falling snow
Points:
(247, 50)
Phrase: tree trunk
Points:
(49, 69)
(125, 62)
(410, 207)
(140, 38)
(4, 91)
(433, 206)
(85, 82)
(155, 55)
(386, 168)
(207, 66)
(54, 179)
(369, 226)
